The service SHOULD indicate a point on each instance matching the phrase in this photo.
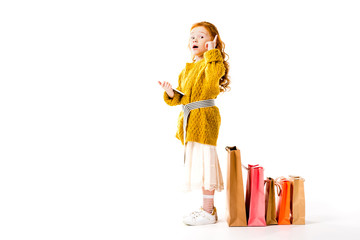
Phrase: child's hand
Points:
(211, 44)
(168, 88)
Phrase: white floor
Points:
(317, 227)
(145, 216)
(162, 219)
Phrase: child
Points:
(198, 124)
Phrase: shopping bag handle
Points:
(281, 178)
(279, 188)
(297, 177)
(255, 166)
(290, 176)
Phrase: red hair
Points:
(224, 81)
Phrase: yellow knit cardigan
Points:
(199, 81)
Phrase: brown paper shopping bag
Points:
(270, 201)
(235, 209)
(297, 204)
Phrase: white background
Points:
(87, 144)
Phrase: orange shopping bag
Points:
(283, 209)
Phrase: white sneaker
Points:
(201, 217)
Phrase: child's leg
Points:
(208, 200)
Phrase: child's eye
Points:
(202, 37)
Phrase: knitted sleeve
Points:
(176, 100)
(214, 70)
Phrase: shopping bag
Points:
(255, 197)
(235, 209)
(283, 209)
(270, 200)
(297, 203)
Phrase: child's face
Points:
(198, 37)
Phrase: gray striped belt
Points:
(190, 106)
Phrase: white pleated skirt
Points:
(202, 168)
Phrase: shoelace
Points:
(198, 213)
